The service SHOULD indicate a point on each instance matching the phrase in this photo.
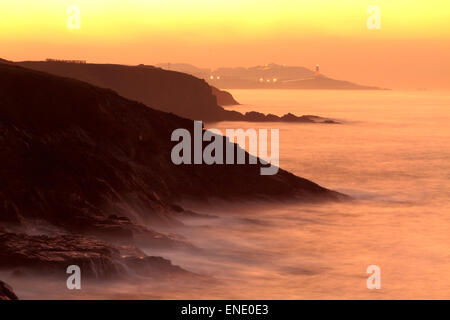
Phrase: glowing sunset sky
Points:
(411, 49)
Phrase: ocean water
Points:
(391, 154)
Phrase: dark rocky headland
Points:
(90, 173)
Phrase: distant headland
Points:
(270, 76)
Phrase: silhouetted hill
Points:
(186, 68)
(224, 98)
(73, 151)
(169, 91)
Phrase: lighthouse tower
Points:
(317, 71)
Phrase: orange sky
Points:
(411, 50)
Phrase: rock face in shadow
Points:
(98, 167)
(74, 152)
(224, 98)
(6, 292)
(169, 91)
(50, 256)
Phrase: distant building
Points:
(317, 71)
(67, 61)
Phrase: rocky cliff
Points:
(224, 98)
(43, 255)
(88, 163)
(71, 149)
(169, 91)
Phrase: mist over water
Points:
(391, 154)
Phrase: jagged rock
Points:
(44, 255)
(289, 117)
